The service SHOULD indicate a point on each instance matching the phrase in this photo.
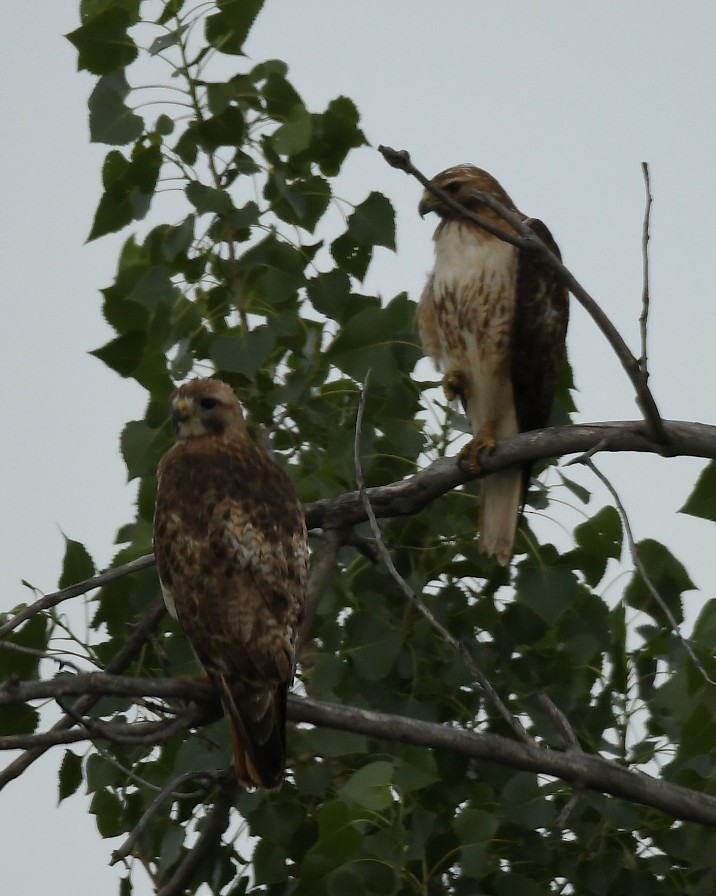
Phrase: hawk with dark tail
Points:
(493, 317)
(231, 550)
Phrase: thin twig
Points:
(167, 791)
(215, 824)
(639, 564)
(645, 299)
(492, 695)
(118, 663)
(528, 240)
(323, 561)
(51, 600)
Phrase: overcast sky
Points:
(561, 101)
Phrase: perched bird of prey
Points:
(231, 550)
(493, 317)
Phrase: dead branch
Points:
(530, 241)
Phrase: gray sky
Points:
(561, 101)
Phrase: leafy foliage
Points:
(255, 274)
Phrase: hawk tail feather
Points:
(259, 740)
(502, 496)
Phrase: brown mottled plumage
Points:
(494, 318)
(231, 549)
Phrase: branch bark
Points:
(412, 494)
(578, 768)
(529, 241)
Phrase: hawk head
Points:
(461, 182)
(204, 407)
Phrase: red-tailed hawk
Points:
(494, 318)
(231, 550)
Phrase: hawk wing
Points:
(539, 332)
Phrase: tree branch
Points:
(578, 768)
(169, 790)
(415, 492)
(118, 663)
(645, 298)
(51, 600)
(215, 823)
(494, 698)
(592, 772)
(400, 159)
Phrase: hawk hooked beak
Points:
(181, 411)
(428, 203)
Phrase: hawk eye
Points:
(452, 187)
(208, 403)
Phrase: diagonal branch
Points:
(462, 651)
(592, 772)
(643, 572)
(215, 823)
(528, 240)
(48, 601)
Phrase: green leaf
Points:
(107, 809)
(338, 838)
(123, 354)
(667, 575)
(242, 351)
(70, 775)
(547, 590)
(600, 538)
(294, 135)
(164, 41)
(374, 646)
(33, 634)
(208, 199)
(702, 500)
(373, 222)
(129, 187)
(77, 564)
(103, 43)
(110, 120)
(137, 446)
(370, 786)
(227, 29)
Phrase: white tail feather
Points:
(499, 513)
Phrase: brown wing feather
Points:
(539, 333)
(230, 544)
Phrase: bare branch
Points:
(51, 600)
(530, 241)
(593, 772)
(118, 663)
(417, 491)
(573, 766)
(413, 598)
(168, 791)
(215, 824)
(645, 299)
(685, 439)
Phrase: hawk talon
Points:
(455, 385)
(485, 439)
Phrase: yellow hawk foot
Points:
(455, 385)
(484, 438)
